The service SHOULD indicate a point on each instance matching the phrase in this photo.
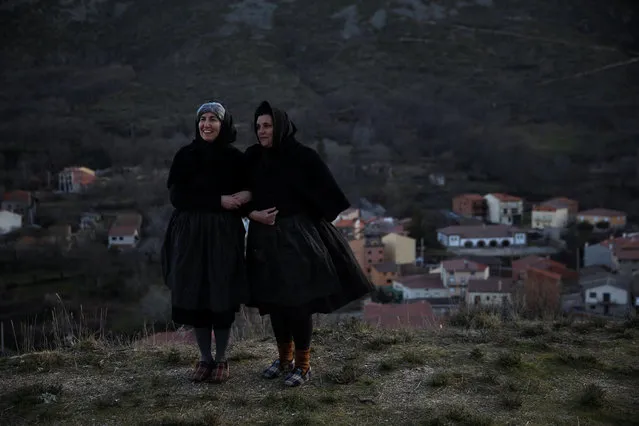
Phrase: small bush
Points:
(510, 360)
(593, 396)
(512, 401)
(477, 354)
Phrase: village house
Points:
(75, 179)
(9, 222)
(481, 236)
(89, 220)
(470, 205)
(494, 291)
(420, 287)
(125, 233)
(384, 226)
(607, 294)
(618, 254)
(347, 227)
(504, 209)
(521, 266)
(627, 258)
(368, 251)
(399, 249)
(615, 219)
(22, 203)
(554, 213)
(383, 274)
(405, 315)
(455, 274)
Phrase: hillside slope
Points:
(491, 88)
(524, 373)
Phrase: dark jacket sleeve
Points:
(320, 189)
(185, 193)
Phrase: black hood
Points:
(283, 128)
(228, 132)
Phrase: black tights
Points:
(291, 325)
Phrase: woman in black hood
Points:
(298, 263)
(203, 251)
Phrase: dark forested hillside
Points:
(537, 98)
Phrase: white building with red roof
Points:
(125, 233)
(505, 209)
(421, 286)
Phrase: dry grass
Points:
(489, 373)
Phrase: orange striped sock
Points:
(286, 352)
(303, 359)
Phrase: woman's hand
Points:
(230, 203)
(242, 197)
(267, 217)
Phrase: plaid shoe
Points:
(276, 369)
(202, 371)
(297, 377)
(220, 372)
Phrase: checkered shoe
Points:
(297, 377)
(276, 369)
(202, 372)
(220, 372)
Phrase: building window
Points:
(592, 294)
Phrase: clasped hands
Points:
(235, 201)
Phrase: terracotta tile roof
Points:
(480, 231)
(463, 265)
(386, 267)
(628, 241)
(544, 272)
(471, 197)
(602, 213)
(421, 281)
(505, 197)
(122, 230)
(345, 223)
(627, 254)
(491, 285)
(414, 315)
(561, 202)
(19, 196)
(543, 263)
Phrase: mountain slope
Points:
(488, 88)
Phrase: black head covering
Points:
(283, 128)
(228, 132)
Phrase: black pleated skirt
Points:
(302, 264)
(203, 265)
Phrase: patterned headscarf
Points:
(214, 107)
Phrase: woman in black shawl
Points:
(298, 263)
(203, 252)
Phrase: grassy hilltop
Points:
(479, 372)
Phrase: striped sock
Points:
(285, 352)
(303, 359)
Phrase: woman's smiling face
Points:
(209, 126)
